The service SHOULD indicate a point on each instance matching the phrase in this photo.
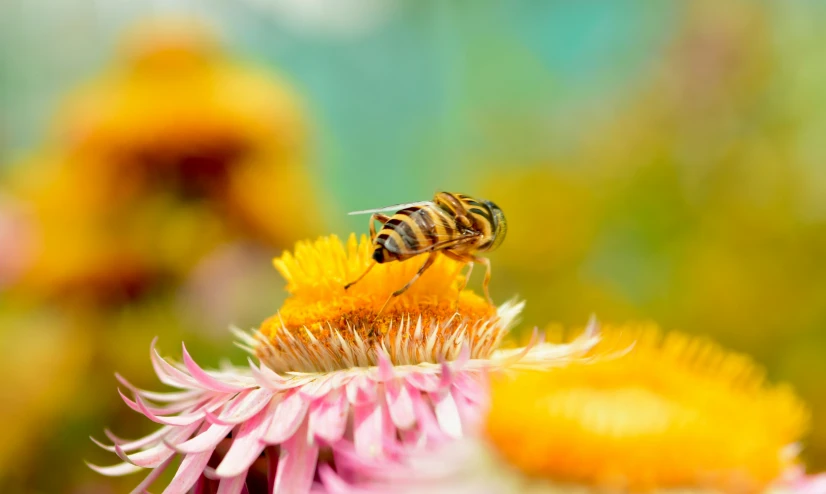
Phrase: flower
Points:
(175, 115)
(333, 370)
(672, 414)
(173, 140)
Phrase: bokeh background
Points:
(656, 160)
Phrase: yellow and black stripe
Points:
(456, 225)
(410, 232)
(417, 229)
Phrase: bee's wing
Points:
(449, 242)
(396, 207)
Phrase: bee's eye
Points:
(500, 225)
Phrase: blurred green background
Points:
(656, 160)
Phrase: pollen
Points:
(322, 326)
(648, 412)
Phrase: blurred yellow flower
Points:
(177, 115)
(673, 412)
(170, 153)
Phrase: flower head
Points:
(343, 328)
(671, 414)
(176, 116)
(333, 374)
(173, 140)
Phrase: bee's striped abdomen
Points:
(408, 233)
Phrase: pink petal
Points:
(287, 418)
(156, 455)
(207, 440)
(328, 417)
(412, 439)
(215, 420)
(115, 470)
(248, 406)
(169, 374)
(178, 420)
(232, 486)
(188, 473)
(152, 477)
(266, 378)
(103, 446)
(355, 466)
(811, 485)
(206, 380)
(390, 443)
(368, 430)
(426, 420)
(137, 443)
(134, 406)
(470, 413)
(472, 386)
(446, 376)
(319, 387)
(462, 359)
(424, 381)
(386, 371)
(447, 414)
(361, 390)
(333, 484)
(400, 404)
(340, 379)
(296, 465)
(247, 445)
(177, 396)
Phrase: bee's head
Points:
(499, 227)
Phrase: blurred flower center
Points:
(673, 412)
(200, 172)
(321, 313)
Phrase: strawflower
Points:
(173, 139)
(332, 373)
(668, 414)
(175, 114)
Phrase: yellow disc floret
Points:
(320, 312)
(672, 412)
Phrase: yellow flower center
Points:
(431, 320)
(674, 412)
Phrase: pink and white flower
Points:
(408, 384)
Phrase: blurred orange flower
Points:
(172, 151)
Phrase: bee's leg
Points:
(486, 262)
(467, 276)
(381, 218)
(464, 259)
(348, 285)
(427, 263)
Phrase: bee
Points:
(456, 225)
